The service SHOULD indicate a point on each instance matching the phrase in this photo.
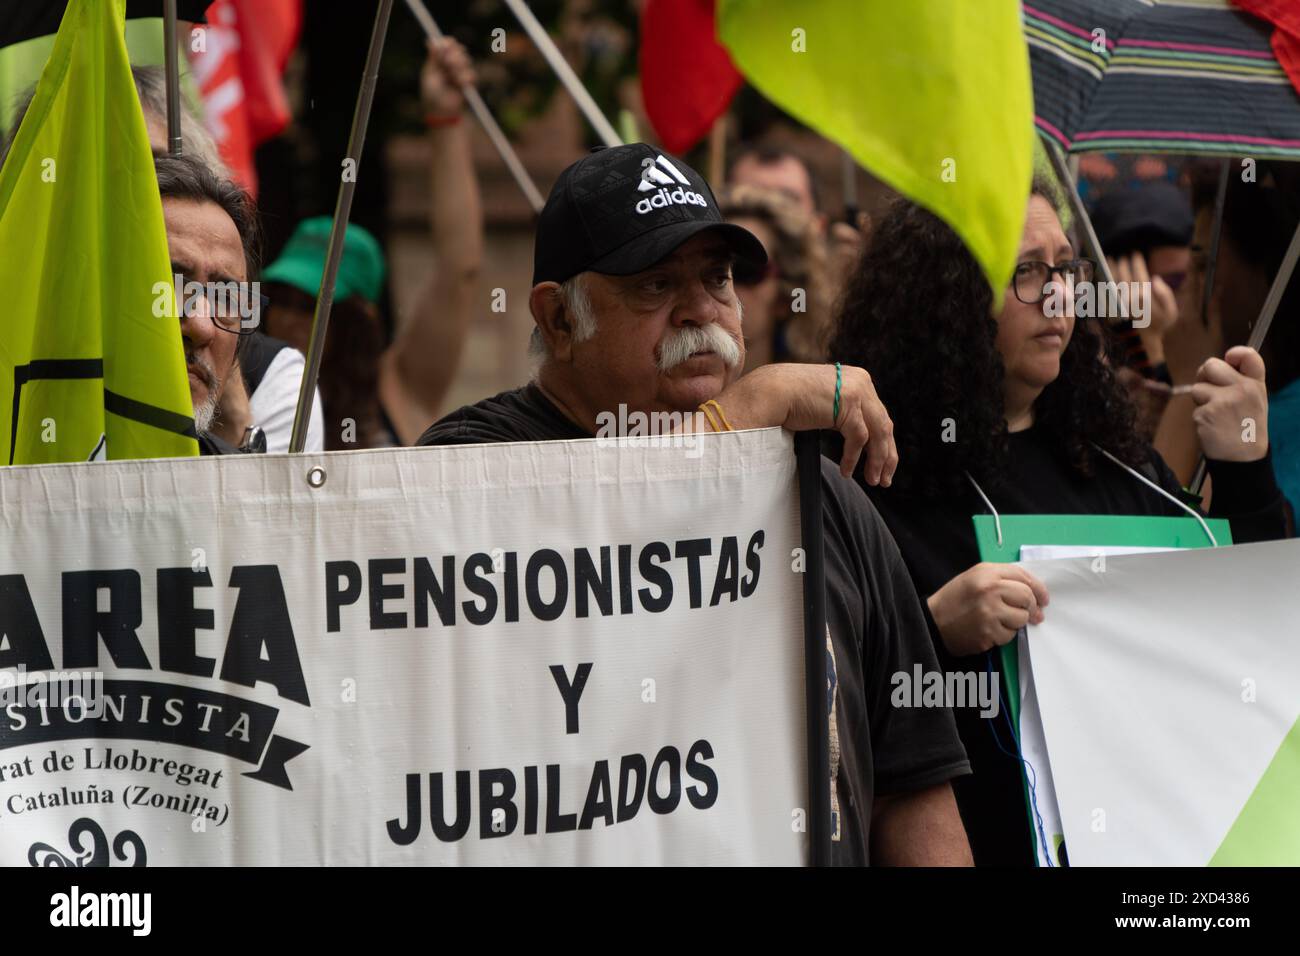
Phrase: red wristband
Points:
(437, 122)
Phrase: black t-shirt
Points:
(937, 538)
(874, 619)
(210, 444)
(523, 414)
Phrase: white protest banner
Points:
(1044, 815)
(564, 652)
(1169, 692)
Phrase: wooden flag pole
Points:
(718, 151)
(537, 33)
(172, 68)
(325, 297)
(485, 118)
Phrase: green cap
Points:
(301, 264)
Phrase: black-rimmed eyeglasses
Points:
(1030, 279)
(233, 307)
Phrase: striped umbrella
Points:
(1167, 76)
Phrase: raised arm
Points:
(417, 369)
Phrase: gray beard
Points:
(205, 415)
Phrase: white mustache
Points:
(679, 345)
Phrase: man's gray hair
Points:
(577, 306)
(188, 177)
(151, 87)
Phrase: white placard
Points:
(1168, 685)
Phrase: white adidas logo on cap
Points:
(658, 176)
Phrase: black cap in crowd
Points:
(621, 209)
(1139, 217)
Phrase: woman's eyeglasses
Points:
(1030, 280)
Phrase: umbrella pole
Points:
(1090, 241)
(485, 118)
(1091, 245)
(325, 297)
(172, 68)
(546, 46)
(1275, 293)
(1261, 326)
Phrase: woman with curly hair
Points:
(1004, 404)
(786, 303)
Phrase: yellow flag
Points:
(91, 360)
(932, 96)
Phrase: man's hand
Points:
(1231, 414)
(446, 70)
(984, 607)
(802, 398)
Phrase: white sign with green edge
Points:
(1001, 541)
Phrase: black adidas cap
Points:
(621, 209)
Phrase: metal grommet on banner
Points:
(316, 476)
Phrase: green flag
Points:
(932, 96)
(91, 360)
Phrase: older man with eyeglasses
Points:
(212, 240)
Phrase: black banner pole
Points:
(807, 448)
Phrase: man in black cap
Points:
(634, 307)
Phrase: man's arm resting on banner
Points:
(922, 828)
(802, 398)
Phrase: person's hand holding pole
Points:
(1231, 414)
(446, 71)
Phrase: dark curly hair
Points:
(918, 315)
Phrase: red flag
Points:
(239, 71)
(1285, 16)
(687, 78)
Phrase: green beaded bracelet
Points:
(839, 381)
